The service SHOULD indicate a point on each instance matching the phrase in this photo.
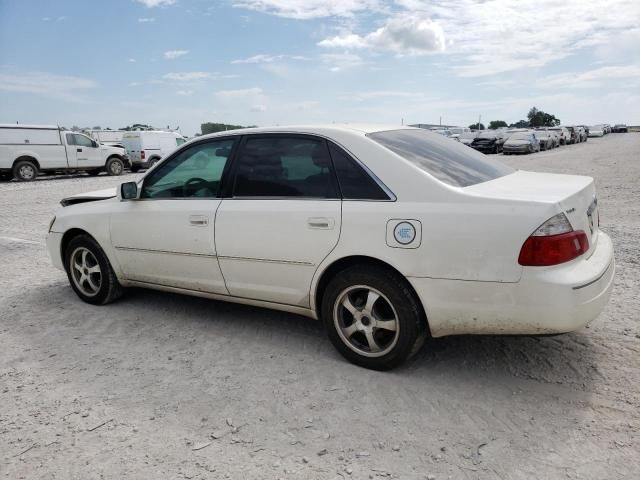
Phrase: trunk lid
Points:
(575, 196)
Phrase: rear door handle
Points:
(198, 220)
(321, 223)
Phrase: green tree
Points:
(494, 124)
(474, 126)
(218, 127)
(538, 118)
(520, 124)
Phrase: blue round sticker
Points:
(404, 233)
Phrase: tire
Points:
(95, 172)
(393, 302)
(25, 171)
(152, 162)
(89, 271)
(114, 166)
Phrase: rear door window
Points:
(284, 166)
(355, 182)
(450, 162)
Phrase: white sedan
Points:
(388, 235)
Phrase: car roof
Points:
(327, 129)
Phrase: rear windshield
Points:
(450, 162)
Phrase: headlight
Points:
(53, 220)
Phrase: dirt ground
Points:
(165, 386)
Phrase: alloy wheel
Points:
(85, 271)
(366, 321)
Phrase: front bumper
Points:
(517, 149)
(546, 300)
(54, 240)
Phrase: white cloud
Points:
(630, 74)
(146, 20)
(240, 93)
(402, 34)
(47, 84)
(187, 76)
(185, 93)
(265, 58)
(45, 19)
(171, 54)
(306, 9)
(306, 105)
(157, 3)
(134, 84)
(132, 60)
(497, 36)
(258, 108)
(341, 61)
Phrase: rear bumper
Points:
(516, 149)
(546, 300)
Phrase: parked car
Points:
(26, 150)
(107, 137)
(488, 141)
(521, 142)
(574, 136)
(584, 132)
(596, 131)
(581, 133)
(619, 128)
(546, 139)
(457, 131)
(146, 147)
(565, 135)
(467, 138)
(386, 234)
(554, 134)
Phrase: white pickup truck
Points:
(26, 150)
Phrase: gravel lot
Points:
(165, 386)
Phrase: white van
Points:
(146, 147)
(107, 137)
(26, 150)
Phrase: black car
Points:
(619, 128)
(488, 142)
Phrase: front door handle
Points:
(198, 220)
(78, 150)
(321, 222)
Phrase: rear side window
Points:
(450, 162)
(355, 182)
(284, 166)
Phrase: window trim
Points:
(391, 197)
(187, 146)
(229, 192)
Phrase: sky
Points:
(180, 63)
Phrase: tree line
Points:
(536, 118)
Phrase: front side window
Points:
(284, 166)
(450, 162)
(180, 141)
(71, 139)
(82, 141)
(193, 173)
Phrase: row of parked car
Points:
(526, 140)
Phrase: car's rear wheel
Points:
(25, 171)
(89, 271)
(372, 317)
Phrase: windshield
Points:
(520, 136)
(450, 162)
(488, 135)
(469, 135)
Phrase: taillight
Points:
(141, 154)
(554, 242)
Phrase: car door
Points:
(88, 153)
(72, 150)
(280, 218)
(166, 237)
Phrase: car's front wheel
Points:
(372, 317)
(115, 166)
(89, 271)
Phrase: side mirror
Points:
(128, 191)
